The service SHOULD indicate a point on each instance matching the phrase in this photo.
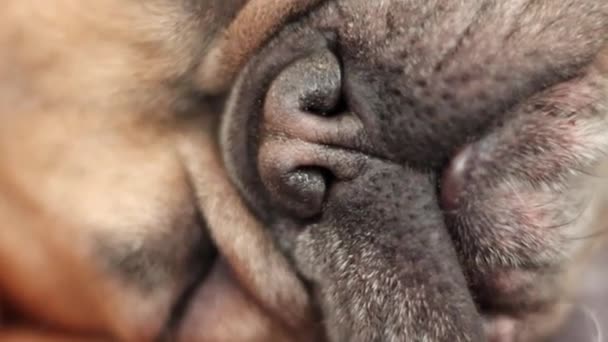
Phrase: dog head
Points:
(398, 166)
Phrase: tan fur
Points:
(90, 142)
(279, 289)
(254, 25)
(95, 138)
(27, 251)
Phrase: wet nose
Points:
(307, 136)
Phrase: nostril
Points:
(453, 180)
(317, 103)
(298, 175)
(304, 190)
(305, 102)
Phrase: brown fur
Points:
(114, 196)
(255, 24)
(97, 106)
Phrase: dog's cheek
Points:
(115, 183)
(33, 251)
(538, 182)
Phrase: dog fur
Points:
(119, 193)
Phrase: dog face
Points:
(406, 160)
(103, 230)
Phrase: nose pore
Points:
(305, 138)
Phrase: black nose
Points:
(306, 135)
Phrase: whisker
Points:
(591, 235)
(589, 173)
(596, 323)
(585, 205)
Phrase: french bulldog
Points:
(301, 170)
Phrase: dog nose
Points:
(307, 136)
(454, 179)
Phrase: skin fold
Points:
(273, 170)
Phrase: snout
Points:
(365, 232)
(307, 140)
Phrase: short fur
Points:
(97, 117)
(121, 220)
(520, 84)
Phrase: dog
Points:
(302, 170)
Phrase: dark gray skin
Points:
(430, 167)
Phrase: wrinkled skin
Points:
(265, 170)
(494, 110)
